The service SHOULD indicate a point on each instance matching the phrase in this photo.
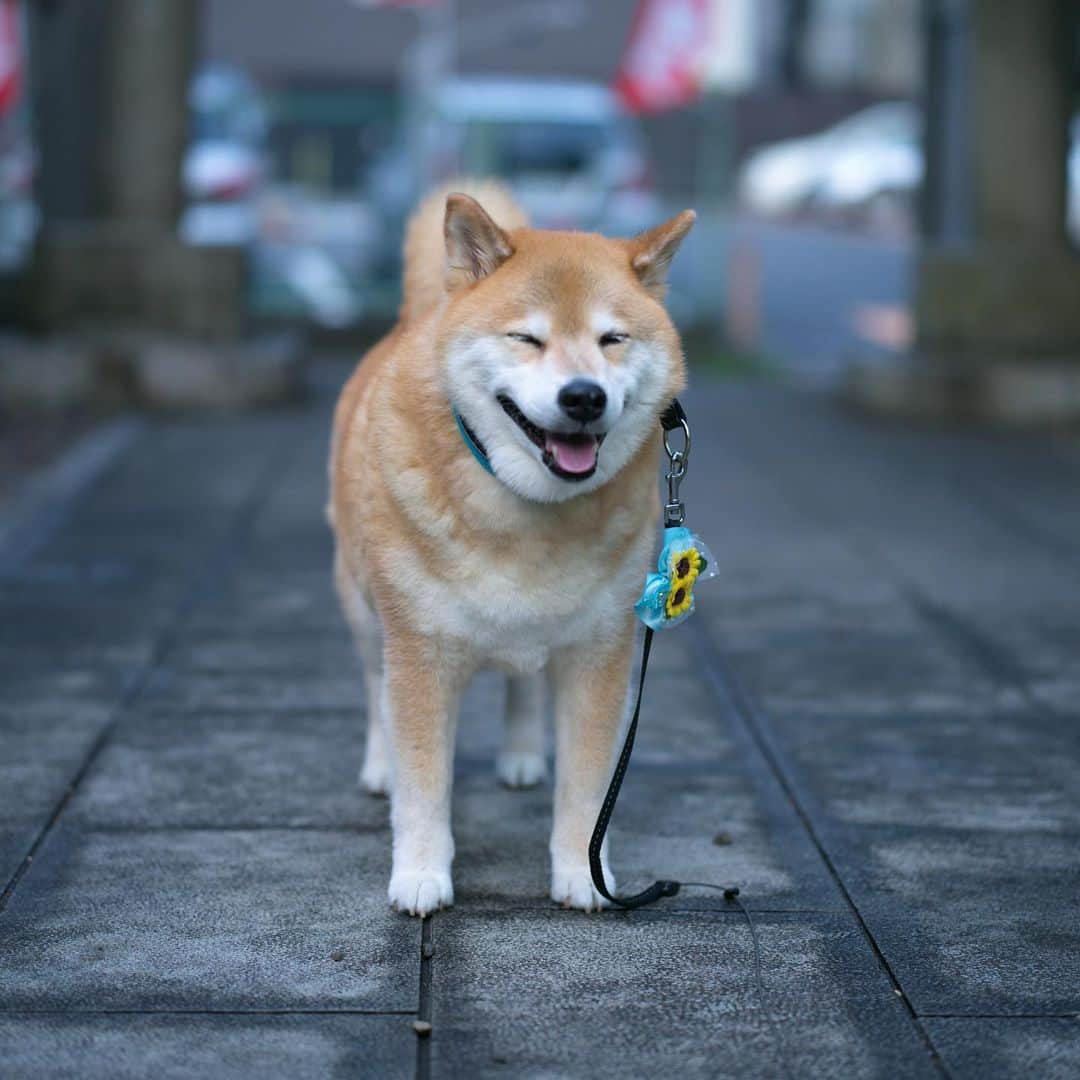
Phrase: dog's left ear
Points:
(651, 252)
(475, 245)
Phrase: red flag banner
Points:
(661, 67)
(10, 55)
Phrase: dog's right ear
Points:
(475, 245)
(651, 252)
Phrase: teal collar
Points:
(476, 447)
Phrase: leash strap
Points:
(658, 888)
(673, 417)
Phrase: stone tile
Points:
(973, 1049)
(956, 836)
(859, 671)
(310, 654)
(177, 1047)
(971, 921)
(270, 603)
(264, 691)
(998, 773)
(1042, 651)
(665, 826)
(231, 770)
(907, 511)
(41, 750)
(568, 994)
(219, 920)
(43, 689)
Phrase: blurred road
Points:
(818, 286)
(803, 296)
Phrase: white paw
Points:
(571, 886)
(520, 768)
(375, 777)
(420, 892)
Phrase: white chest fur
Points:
(512, 609)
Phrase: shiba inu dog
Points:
(494, 501)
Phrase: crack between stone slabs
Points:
(206, 1012)
(481, 764)
(424, 1009)
(741, 708)
(332, 830)
(1000, 1016)
(495, 905)
(178, 711)
(203, 582)
(152, 712)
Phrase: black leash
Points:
(673, 418)
(657, 888)
(674, 512)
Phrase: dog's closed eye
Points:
(526, 339)
(613, 337)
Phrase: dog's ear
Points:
(475, 245)
(651, 252)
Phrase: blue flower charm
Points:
(668, 596)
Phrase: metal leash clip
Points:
(678, 462)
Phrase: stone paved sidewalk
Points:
(870, 727)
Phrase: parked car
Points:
(866, 165)
(573, 158)
(223, 168)
(307, 246)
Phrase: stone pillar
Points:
(997, 298)
(151, 57)
(67, 63)
(113, 290)
(109, 258)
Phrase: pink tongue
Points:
(573, 454)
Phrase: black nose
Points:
(582, 400)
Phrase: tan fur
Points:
(425, 253)
(457, 571)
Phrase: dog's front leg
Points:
(590, 703)
(422, 686)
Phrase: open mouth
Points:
(569, 455)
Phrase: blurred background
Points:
(194, 196)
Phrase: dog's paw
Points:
(571, 886)
(420, 892)
(375, 777)
(520, 768)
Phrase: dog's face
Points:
(559, 354)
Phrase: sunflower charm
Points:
(668, 596)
